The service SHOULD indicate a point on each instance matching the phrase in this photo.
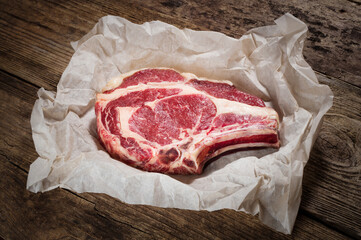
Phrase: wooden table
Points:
(35, 49)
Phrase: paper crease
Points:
(266, 62)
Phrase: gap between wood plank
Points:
(330, 78)
(124, 223)
(12, 163)
(309, 214)
(324, 223)
(22, 79)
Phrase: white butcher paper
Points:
(266, 62)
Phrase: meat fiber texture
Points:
(266, 62)
(160, 120)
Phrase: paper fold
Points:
(266, 62)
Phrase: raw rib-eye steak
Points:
(163, 121)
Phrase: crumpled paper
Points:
(266, 62)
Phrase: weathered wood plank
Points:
(60, 214)
(52, 215)
(221, 224)
(34, 45)
(35, 35)
(335, 163)
(16, 102)
(18, 149)
(334, 37)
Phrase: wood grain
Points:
(37, 34)
(52, 215)
(332, 179)
(61, 214)
(35, 50)
(18, 151)
(17, 100)
(334, 37)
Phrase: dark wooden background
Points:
(35, 49)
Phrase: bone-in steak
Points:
(164, 121)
